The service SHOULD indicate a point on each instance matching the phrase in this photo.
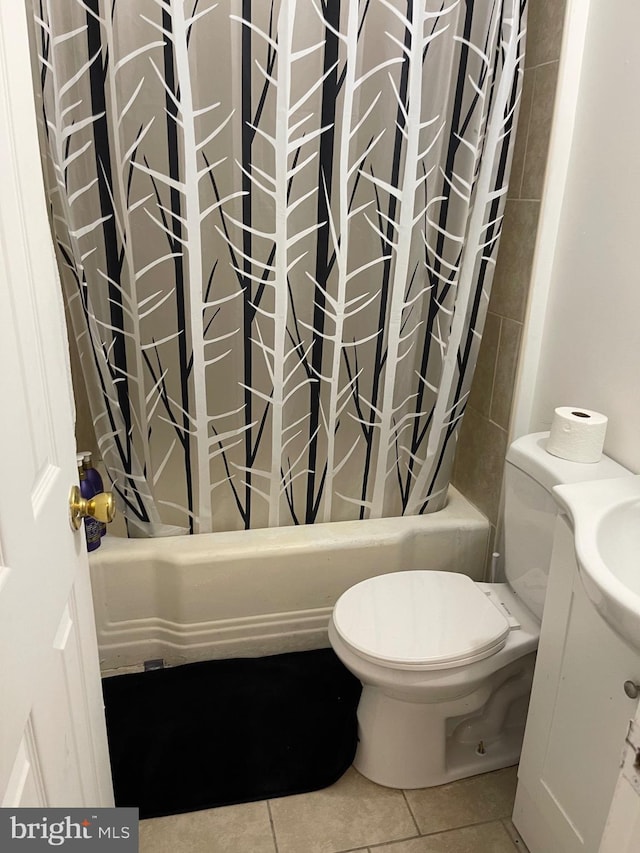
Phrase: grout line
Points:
(532, 69)
(518, 189)
(547, 62)
(495, 367)
(518, 843)
(373, 847)
(541, 64)
(273, 828)
(526, 200)
(496, 424)
(499, 820)
(413, 817)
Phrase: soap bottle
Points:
(95, 481)
(91, 525)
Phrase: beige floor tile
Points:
(231, 829)
(480, 798)
(483, 838)
(351, 814)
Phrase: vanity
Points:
(587, 681)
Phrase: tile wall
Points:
(483, 438)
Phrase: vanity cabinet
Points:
(578, 716)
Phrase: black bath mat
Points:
(231, 731)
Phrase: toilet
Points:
(446, 663)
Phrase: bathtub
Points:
(260, 592)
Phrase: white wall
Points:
(585, 350)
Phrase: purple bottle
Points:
(91, 525)
(95, 480)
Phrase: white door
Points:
(53, 747)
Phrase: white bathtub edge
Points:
(260, 592)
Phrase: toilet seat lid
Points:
(420, 620)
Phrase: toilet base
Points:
(418, 745)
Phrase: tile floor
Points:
(352, 816)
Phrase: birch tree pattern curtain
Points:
(277, 224)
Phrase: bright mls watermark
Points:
(69, 829)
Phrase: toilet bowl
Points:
(447, 663)
(449, 702)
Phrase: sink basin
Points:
(606, 522)
(618, 541)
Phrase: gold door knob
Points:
(631, 689)
(102, 507)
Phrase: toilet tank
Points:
(530, 511)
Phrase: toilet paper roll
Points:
(577, 434)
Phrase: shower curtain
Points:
(276, 224)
